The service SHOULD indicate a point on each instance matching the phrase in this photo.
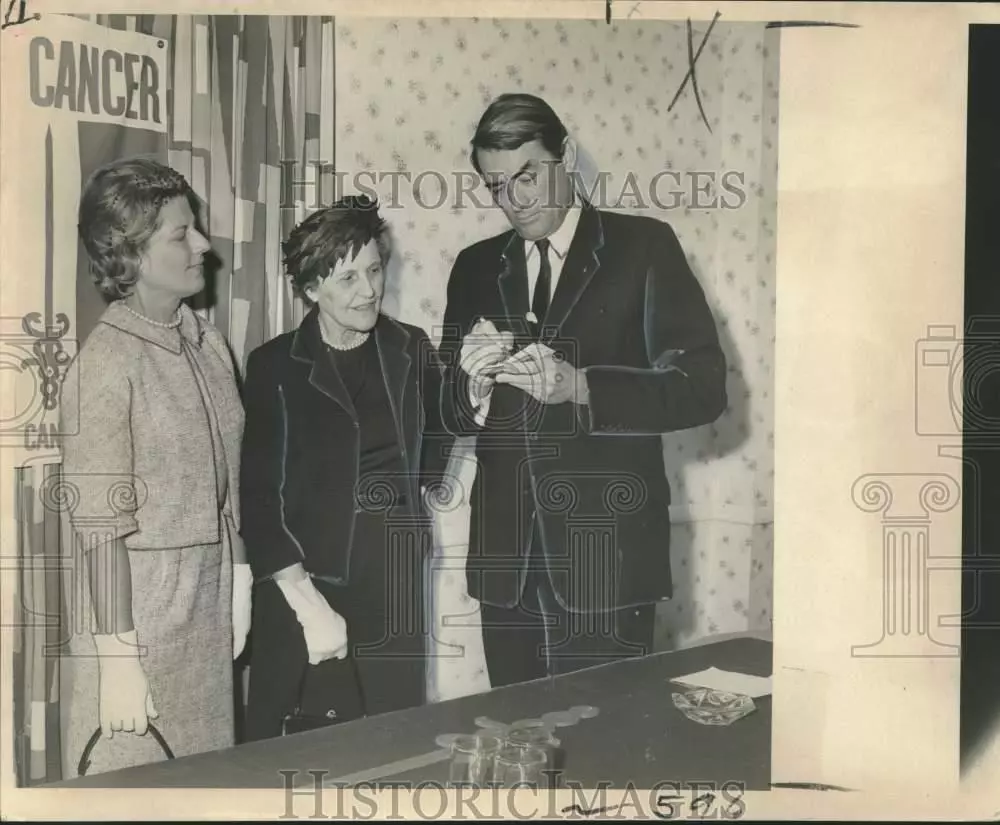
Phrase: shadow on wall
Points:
(730, 432)
(394, 273)
(678, 617)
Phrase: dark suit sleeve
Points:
(436, 438)
(270, 547)
(685, 384)
(457, 412)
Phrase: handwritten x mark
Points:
(692, 60)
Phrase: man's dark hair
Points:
(326, 237)
(513, 119)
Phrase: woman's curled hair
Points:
(119, 213)
(329, 236)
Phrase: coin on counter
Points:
(560, 718)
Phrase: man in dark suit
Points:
(572, 342)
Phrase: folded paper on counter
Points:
(728, 681)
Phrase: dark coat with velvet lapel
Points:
(628, 310)
(299, 468)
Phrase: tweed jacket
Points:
(139, 446)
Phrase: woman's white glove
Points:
(126, 703)
(324, 628)
(242, 602)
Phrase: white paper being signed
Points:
(742, 683)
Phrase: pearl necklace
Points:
(343, 348)
(162, 324)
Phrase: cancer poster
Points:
(87, 94)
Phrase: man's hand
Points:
(542, 373)
(484, 348)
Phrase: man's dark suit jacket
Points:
(299, 465)
(627, 310)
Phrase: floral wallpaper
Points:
(409, 93)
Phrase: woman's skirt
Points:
(182, 608)
(384, 607)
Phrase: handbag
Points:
(95, 737)
(328, 694)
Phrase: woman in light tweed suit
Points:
(153, 469)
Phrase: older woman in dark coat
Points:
(334, 465)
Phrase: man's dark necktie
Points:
(543, 286)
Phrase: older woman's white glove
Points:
(242, 603)
(126, 703)
(324, 628)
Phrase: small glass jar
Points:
(473, 760)
(520, 767)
